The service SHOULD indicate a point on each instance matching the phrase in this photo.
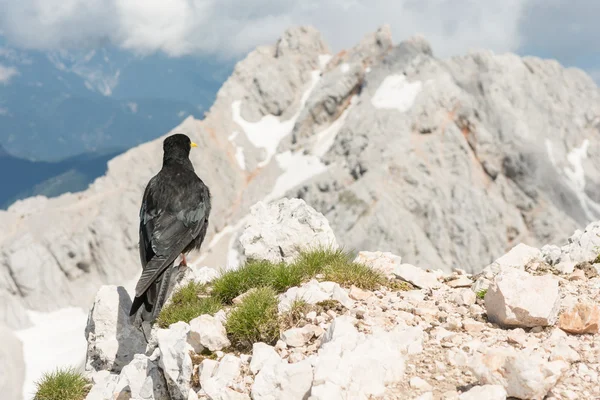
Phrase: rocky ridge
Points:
(506, 145)
(526, 327)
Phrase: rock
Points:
(209, 332)
(103, 386)
(227, 371)
(419, 384)
(563, 351)
(352, 363)
(359, 294)
(416, 276)
(11, 365)
(262, 354)
(280, 230)
(280, 380)
(297, 337)
(314, 292)
(518, 299)
(384, 262)
(487, 392)
(517, 257)
(175, 360)
(141, 379)
(112, 339)
(551, 254)
(577, 275)
(462, 281)
(525, 376)
(580, 319)
(464, 297)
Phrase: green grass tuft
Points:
(481, 293)
(187, 305)
(315, 261)
(62, 384)
(254, 274)
(255, 319)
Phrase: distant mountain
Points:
(57, 105)
(24, 178)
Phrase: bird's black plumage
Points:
(173, 221)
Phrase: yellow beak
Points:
(194, 144)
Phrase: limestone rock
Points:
(209, 332)
(350, 363)
(488, 392)
(280, 380)
(582, 318)
(141, 379)
(384, 262)
(262, 354)
(313, 292)
(416, 276)
(278, 231)
(175, 360)
(112, 339)
(225, 373)
(524, 376)
(516, 298)
(297, 337)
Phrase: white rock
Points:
(517, 257)
(209, 332)
(112, 339)
(280, 380)
(297, 337)
(464, 297)
(224, 375)
(420, 384)
(207, 369)
(425, 396)
(562, 351)
(525, 376)
(141, 379)
(103, 389)
(280, 230)
(461, 281)
(516, 298)
(384, 262)
(354, 365)
(416, 276)
(314, 292)
(487, 392)
(262, 354)
(175, 359)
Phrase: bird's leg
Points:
(183, 261)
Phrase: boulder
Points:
(209, 332)
(280, 380)
(223, 375)
(112, 338)
(417, 276)
(518, 299)
(262, 354)
(522, 375)
(280, 230)
(581, 318)
(175, 359)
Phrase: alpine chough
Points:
(173, 221)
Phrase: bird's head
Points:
(178, 146)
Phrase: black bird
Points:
(173, 221)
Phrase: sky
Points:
(227, 29)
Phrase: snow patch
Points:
(324, 60)
(395, 92)
(576, 178)
(56, 339)
(239, 156)
(268, 132)
(345, 67)
(297, 168)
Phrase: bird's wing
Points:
(166, 232)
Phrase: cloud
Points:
(6, 73)
(230, 28)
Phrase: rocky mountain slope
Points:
(526, 327)
(446, 162)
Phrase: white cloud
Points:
(6, 73)
(233, 27)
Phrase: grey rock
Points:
(112, 339)
(280, 230)
(175, 360)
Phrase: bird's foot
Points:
(183, 262)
